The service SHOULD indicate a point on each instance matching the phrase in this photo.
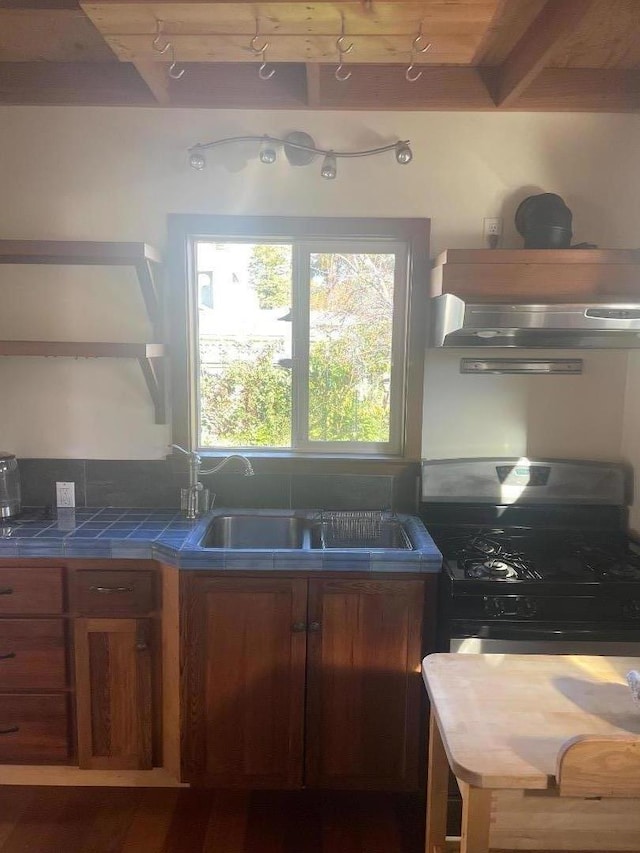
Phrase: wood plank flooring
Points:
(156, 820)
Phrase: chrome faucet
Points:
(195, 486)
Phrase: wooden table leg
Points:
(476, 818)
(437, 790)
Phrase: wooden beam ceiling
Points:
(531, 55)
(485, 54)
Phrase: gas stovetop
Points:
(512, 555)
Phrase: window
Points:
(297, 334)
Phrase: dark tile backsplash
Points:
(157, 483)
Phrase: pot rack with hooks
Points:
(369, 33)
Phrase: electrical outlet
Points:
(66, 494)
(492, 227)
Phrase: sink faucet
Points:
(195, 486)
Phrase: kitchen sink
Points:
(256, 532)
(260, 531)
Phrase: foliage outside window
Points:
(298, 343)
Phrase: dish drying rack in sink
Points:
(363, 529)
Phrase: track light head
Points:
(329, 166)
(197, 160)
(267, 152)
(404, 154)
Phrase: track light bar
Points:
(300, 149)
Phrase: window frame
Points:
(185, 229)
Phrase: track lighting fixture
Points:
(300, 149)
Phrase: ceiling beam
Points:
(313, 84)
(156, 76)
(532, 53)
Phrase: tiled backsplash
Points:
(157, 483)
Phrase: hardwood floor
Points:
(126, 820)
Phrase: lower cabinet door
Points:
(113, 693)
(364, 692)
(243, 659)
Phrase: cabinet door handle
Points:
(8, 656)
(142, 637)
(10, 730)
(109, 590)
(314, 627)
(6, 590)
(299, 627)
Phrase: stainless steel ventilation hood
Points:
(592, 325)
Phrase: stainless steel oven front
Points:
(471, 637)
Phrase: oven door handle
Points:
(544, 631)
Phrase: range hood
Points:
(593, 325)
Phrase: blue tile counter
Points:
(166, 535)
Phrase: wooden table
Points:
(500, 723)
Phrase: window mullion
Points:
(300, 345)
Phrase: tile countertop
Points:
(164, 534)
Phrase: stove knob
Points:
(631, 609)
(493, 606)
(527, 608)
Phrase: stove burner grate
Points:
(611, 564)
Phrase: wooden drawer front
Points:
(34, 729)
(32, 654)
(30, 591)
(113, 593)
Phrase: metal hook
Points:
(175, 75)
(172, 71)
(412, 77)
(253, 44)
(340, 40)
(409, 74)
(341, 47)
(263, 74)
(416, 42)
(159, 36)
(339, 74)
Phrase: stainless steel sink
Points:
(386, 536)
(257, 532)
(339, 531)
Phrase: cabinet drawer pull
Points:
(109, 590)
(298, 627)
(314, 627)
(6, 590)
(10, 731)
(8, 656)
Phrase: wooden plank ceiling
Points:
(581, 55)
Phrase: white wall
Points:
(114, 174)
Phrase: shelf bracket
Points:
(154, 374)
(146, 272)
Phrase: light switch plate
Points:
(65, 494)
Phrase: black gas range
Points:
(537, 557)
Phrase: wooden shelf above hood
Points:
(538, 275)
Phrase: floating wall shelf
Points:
(146, 262)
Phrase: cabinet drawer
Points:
(32, 654)
(34, 729)
(30, 591)
(113, 593)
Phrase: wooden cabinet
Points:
(289, 682)
(363, 682)
(113, 693)
(243, 669)
(115, 638)
(35, 721)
